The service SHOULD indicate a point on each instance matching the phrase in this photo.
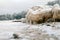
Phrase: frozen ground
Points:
(29, 32)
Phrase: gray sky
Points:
(10, 6)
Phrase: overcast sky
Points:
(10, 6)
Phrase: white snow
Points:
(45, 8)
(26, 31)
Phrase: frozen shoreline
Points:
(26, 31)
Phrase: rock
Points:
(48, 25)
(15, 36)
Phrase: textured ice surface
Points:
(28, 32)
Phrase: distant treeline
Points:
(54, 2)
(13, 16)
